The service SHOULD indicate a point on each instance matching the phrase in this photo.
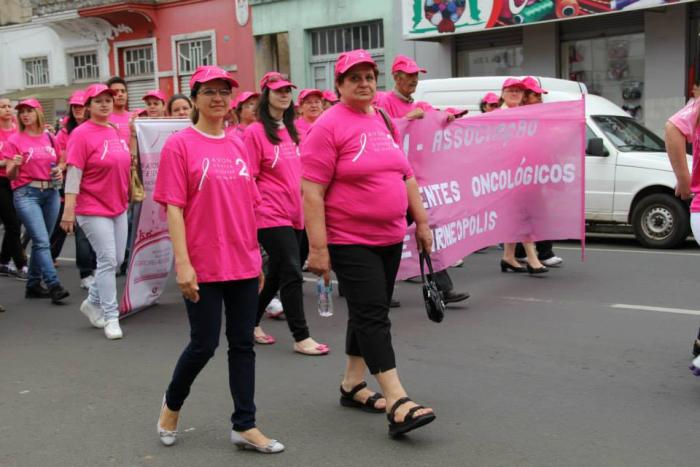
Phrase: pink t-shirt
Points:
(357, 158)
(209, 178)
(121, 122)
(235, 130)
(303, 127)
(38, 154)
(277, 172)
(4, 136)
(393, 104)
(104, 157)
(62, 140)
(686, 120)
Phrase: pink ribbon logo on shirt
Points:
(30, 154)
(105, 148)
(363, 144)
(277, 156)
(205, 170)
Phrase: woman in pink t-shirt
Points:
(681, 127)
(272, 148)
(179, 106)
(358, 187)
(32, 163)
(11, 244)
(310, 104)
(512, 94)
(155, 103)
(206, 185)
(246, 110)
(97, 186)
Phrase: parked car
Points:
(629, 179)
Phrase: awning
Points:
(45, 93)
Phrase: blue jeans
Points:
(38, 210)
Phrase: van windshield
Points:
(628, 135)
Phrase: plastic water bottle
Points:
(55, 181)
(325, 298)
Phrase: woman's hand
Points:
(17, 160)
(320, 262)
(261, 282)
(187, 282)
(67, 224)
(424, 238)
(415, 114)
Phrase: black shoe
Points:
(506, 266)
(454, 297)
(394, 303)
(541, 270)
(36, 291)
(696, 348)
(58, 293)
(2, 309)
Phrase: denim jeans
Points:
(107, 236)
(38, 209)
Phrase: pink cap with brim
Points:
(157, 93)
(308, 92)
(330, 96)
(491, 98)
(531, 84)
(31, 103)
(95, 90)
(347, 60)
(77, 98)
(206, 73)
(406, 64)
(242, 97)
(513, 83)
(274, 80)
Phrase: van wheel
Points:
(661, 221)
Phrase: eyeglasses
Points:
(214, 92)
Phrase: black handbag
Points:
(434, 304)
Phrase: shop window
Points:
(499, 61)
(85, 66)
(611, 67)
(138, 61)
(192, 53)
(36, 71)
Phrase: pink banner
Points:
(506, 176)
(151, 254)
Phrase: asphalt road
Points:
(584, 367)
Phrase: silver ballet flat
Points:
(272, 447)
(167, 438)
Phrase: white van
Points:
(629, 179)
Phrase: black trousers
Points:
(284, 274)
(58, 236)
(367, 275)
(85, 258)
(240, 299)
(11, 245)
(544, 250)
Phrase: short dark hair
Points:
(115, 80)
(175, 97)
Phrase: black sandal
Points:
(347, 399)
(409, 422)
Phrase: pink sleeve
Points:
(10, 150)
(76, 152)
(318, 156)
(253, 150)
(171, 181)
(62, 139)
(56, 147)
(686, 119)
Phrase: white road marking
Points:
(528, 299)
(642, 252)
(661, 309)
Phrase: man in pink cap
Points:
(155, 103)
(310, 103)
(120, 115)
(398, 103)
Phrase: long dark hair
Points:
(72, 123)
(270, 124)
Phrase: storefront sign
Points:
(434, 18)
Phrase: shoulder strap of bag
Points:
(387, 121)
(424, 259)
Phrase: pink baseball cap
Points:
(206, 73)
(308, 92)
(330, 96)
(406, 64)
(531, 84)
(491, 98)
(513, 83)
(95, 90)
(31, 103)
(77, 98)
(157, 93)
(347, 60)
(242, 97)
(274, 80)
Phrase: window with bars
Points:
(85, 66)
(138, 61)
(193, 53)
(36, 71)
(336, 40)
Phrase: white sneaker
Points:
(553, 261)
(274, 309)
(112, 329)
(86, 282)
(93, 313)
